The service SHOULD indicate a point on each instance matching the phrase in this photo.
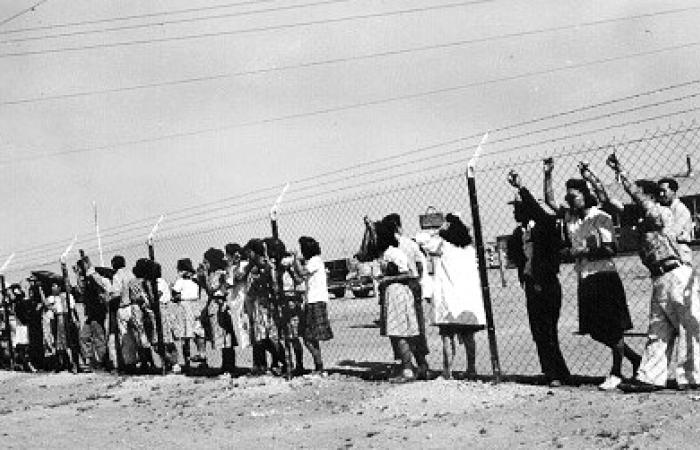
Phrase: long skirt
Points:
(168, 317)
(316, 324)
(602, 306)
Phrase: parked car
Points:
(336, 273)
(361, 278)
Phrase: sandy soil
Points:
(338, 411)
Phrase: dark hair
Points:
(144, 268)
(393, 219)
(673, 184)
(457, 233)
(309, 247)
(255, 245)
(118, 262)
(185, 265)
(581, 185)
(275, 248)
(215, 258)
(649, 187)
(386, 235)
(232, 249)
(391, 269)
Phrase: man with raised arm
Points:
(534, 248)
(674, 309)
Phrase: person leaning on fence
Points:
(675, 307)
(416, 266)
(93, 344)
(602, 302)
(456, 292)
(682, 226)
(317, 326)
(24, 310)
(217, 291)
(293, 310)
(168, 318)
(186, 325)
(264, 334)
(63, 324)
(236, 293)
(137, 318)
(399, 319)
(534, 248)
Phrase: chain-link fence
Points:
(337, 223)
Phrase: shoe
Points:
(636, 386)
(610, 383)
(422, 373)
(406, 376)
(555, 383)
(177, 369)
(686, 387)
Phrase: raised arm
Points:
(614, 204)
(548, 166)
(531, 205)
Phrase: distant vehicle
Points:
(336, 273)
(361, 278)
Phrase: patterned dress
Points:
(260, 305)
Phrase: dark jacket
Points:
(545, 238)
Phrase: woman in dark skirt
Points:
(603, 311)
(316, 326)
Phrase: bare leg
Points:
(448, 353)
(315, 349)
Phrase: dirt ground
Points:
(337, 411)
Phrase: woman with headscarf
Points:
(603, 311)
(141, 323)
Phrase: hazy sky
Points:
(228, 108)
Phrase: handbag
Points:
(432, 219)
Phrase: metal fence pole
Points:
(8, 330)
(156, 309)
(281, 300)
(485, 290)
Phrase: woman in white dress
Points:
(458, 304)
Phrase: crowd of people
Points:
(586, 235)
(259, 295)
(263, 296)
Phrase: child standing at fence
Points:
(457, 302)
(317, 327)
(293, 311)
(62, 324)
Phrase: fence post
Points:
(483, 275)
(8, 330)
(280, 298)
(156, 307)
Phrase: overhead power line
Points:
(23, 12)
(247, 30)
(135, 16)
(162, 23)
(330, 61)
(351, 106)
(268, 198)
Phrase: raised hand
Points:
(613, 163)
(585, 171)
(548, 165)
(514, 179)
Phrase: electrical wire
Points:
(331, 61)
(288, 26)
(350, 106)
(23, 12)
(141, 223)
